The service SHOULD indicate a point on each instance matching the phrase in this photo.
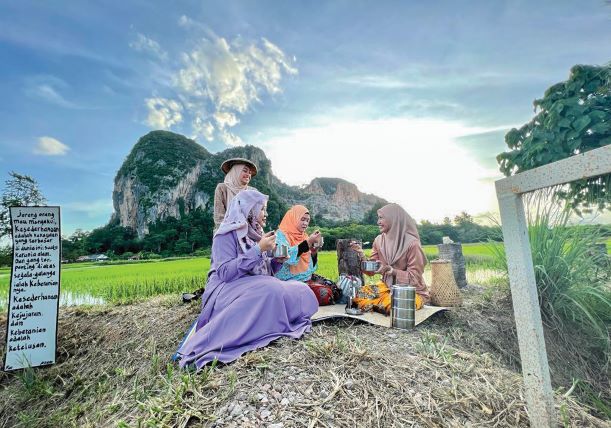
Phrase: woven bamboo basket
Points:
(444, 291)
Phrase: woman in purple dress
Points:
(244, 307)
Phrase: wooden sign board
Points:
(31, 336)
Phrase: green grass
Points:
(572, 281)
(127, 282)
(477, 249)
(483, 248)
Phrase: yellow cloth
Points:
(377, 297)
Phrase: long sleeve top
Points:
(295, 252)
(409, 269)
(232, 263)
(222, 199)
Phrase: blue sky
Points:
(409, 100)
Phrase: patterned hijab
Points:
(288, 226)
(401, 234)
(242, 217)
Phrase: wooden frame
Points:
(535, 369)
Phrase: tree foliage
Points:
(572, 117)
(19, 190)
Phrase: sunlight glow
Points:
(414, 162)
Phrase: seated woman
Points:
(303, 254)
(243, 306)
(402, 259)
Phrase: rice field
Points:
(98, 282)
(95, 283)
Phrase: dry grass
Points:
(114, 370)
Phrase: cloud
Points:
(225, 119)
(203, 128)
(230, 139)
(485, 146)
(49, 146)
(148, 45)
(163, 113)
(48, 88)
(218, 81)
(376, 81)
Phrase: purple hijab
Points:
(241, 217)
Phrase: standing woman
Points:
(400, 253)
(244, 307)
(238, 173)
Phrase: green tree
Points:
(463, 218)
(6, 255)
(19, 190)
(371, 216)
(572, 117)
(75, 245)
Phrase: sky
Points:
(408, 100)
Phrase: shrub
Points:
(573, 289)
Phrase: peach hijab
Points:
(288, 226)
(402, 233)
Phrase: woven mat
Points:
(338, 311)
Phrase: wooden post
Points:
(348, 262)
(509, 191)
(533, 355)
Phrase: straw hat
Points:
(226, 166)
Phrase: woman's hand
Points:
(268, 241)
(356, 247)
(384, 269)
(315, 237)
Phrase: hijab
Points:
(288, 226)
(241, 217)
(233, 183)
(401, 234)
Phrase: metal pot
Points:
(403, 309)
(281, 251)
(318, 245)
(370, 265)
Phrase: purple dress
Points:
(244, 307)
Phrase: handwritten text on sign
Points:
(34, 294)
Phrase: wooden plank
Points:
(589, 164)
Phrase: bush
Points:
(573, 289)
(202, 253)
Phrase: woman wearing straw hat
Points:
(400, 254)
(238, 173)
